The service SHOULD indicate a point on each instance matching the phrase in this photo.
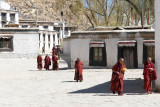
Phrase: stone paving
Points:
(21, 85)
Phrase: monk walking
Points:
(117, 77)
(47, 61)
(55, 62)
(78, 70)
(149, 74)
(39, 62)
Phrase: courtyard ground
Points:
(21, 85)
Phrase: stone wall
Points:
(157, 44)
(25, 45)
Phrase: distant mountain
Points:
(47, 12)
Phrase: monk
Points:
(54, 51)
(149, 74)
(47, 61)
(117, 77)
(39, 62)
(78, 70)
(55, 62)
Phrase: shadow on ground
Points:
(131, 87)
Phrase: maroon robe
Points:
(39, 62)
(55, 62)
(149, 76)
(47, 62)
(117, 80)
(54, 52)
(78, 71)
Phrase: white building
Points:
(50, 34)
(16, 42)
(103, 48)
(8, 15)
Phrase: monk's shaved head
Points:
(121, 60)
(78, 59)
(149, 59)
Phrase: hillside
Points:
(47, 11)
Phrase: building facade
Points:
(50, 34)
(104, 48)
(16, 42)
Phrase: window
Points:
(6, 43)
(45, 27)
(97, 54)
(12, 17)
(3, 15)
(57, 28)
(24, 26)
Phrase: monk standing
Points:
(78, 70)
(55, 62)
(149, 74)
(47, 61)
(54, 51)
(117, 77)
(39, 62)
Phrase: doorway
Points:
(130, 56)
(97, 55)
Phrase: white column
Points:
(157, 43)
(51, 41)
(56, 39)
(140, 52)
(8, 18)
(63, 29)
(41, 41)
(16, 18)
(69, 33)
(46, 42)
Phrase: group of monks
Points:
(118, 71)
(47, 61)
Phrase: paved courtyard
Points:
(21, 85)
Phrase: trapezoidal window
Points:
(6, 44)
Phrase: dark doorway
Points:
(148, 51)
(130, 56)
(97, 56)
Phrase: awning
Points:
(97, 44)
(6, 36)
(131, 43)
(149, 42)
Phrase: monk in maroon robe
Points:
(47, 61)
(117, 77)
(149, 74)
(78, 70)
(39, 62)
(55, 62)
(54, 52)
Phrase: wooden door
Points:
(128, 54)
